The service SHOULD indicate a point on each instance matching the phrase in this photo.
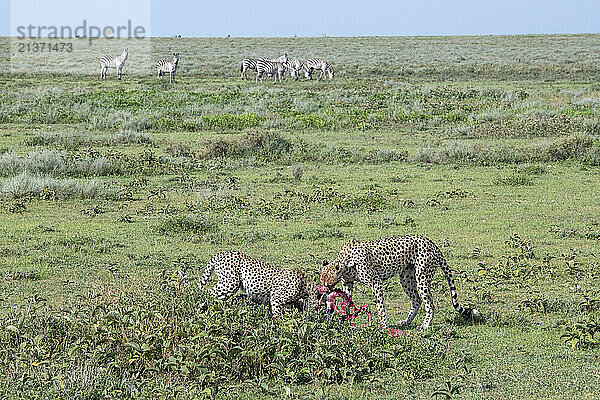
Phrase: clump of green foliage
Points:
(187, 224)
(583, 334)
(221, 122)
(269, 145)
(175, 334)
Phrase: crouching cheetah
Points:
(260, 281)
(415, 258)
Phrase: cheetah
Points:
(260, 281)
(415, 258)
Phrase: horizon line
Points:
(322, 36)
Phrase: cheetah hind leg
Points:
(424, 286)
(276, 306)
(409, 284)
(224, 291)
(281, 297)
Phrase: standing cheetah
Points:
(415, 258)
(260, 281)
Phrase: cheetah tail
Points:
(466, 313)
(206, 275)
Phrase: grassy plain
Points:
(115, 195)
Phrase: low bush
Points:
(231, 122)
(515, 179)
(187, 224)
(72, 140)
(267, 145)
(25, 185)
(581, 148)
(574, 146)
(52, 162)
(173, 334)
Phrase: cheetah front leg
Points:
(377, 289)
(409, 284)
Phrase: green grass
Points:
(118, 193)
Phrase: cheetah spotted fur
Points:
(415, 258)
(260, 281)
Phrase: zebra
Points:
(294, 66)
(321, 65)
(271, 68)
(250, 63)
(166, 66)
(107, 62)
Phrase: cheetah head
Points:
(332, 273)
(315, 298)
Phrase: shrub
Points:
(515, 179)
(190, 224)
(72, 140)
(24, 185)
(179, 150)
(455, 151)
(458, 151)
(582, 148)
(426, 154)
(384, 155)
(67, 140)
(583, 334)
(315, 121)
(574, 146)
(17, 206)
(175, 335)
(268, 145)
(221, 122)
(532, 169)
(42, 162)
(128, 136)
(99, 166)
(52, 162)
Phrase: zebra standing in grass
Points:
(168, 67)
(294, 66)
(107, 62)
(271, 68)
(321, 65)
(250, 63)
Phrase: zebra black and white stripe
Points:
(318, 64)
(118, 62)
(168, 67)
(294, 66)
(250, 63)
(271, 68)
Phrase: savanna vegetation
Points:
(115, 194)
